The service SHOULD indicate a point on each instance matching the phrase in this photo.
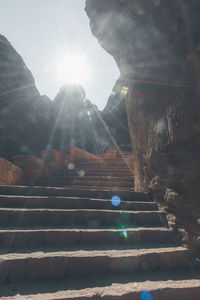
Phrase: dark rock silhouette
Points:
(156, 47)
(115, 118)
(75, 121)
(24, 114)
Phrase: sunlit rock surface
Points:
(10, 174)
(156, 45)
(50, 164)
(24, 114)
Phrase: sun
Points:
(74, 69)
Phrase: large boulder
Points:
(10, 174)
(156, 47)
(53, 160)
(32, 167)
(77, 155)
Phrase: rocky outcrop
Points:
(77, 122)
(33, 167)
(31, 170)
(156, 47)
(24, 114)
(10, 174)
(115, 118)
(72, 123)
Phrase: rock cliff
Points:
(156, 45)
(115, 118)
(76, 121)
(24, 114)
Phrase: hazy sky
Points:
(45, 31)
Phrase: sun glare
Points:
(74, 69)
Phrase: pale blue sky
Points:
(42, 31)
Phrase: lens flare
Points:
(71, 166)
(81, 173)
(145, 295)
(115, 200)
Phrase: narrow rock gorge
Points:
(31, 123)
(156, 45)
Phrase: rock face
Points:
(74, 120)
(10, 174)
(31, 170)
(115, 117)
(24, 114)
(156, 47)
(32, 167)
(77, 122)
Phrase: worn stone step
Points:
(97, 178)
(11, 201)
(113, 162)
(99, 188)
(55, 265)
(105, 290)
(113, 173)
(75, 217)
(100, 178)
(86, 185)
(74, 192)
(79, 183)
(54, 238)
(106, 168)
(96, 183)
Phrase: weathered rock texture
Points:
(51, 163)
(10, 174)
(24, 114)
(114, 116)
(156, 47)
(77, 122)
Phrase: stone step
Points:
(156, 290)
(104, 183)
(77, 217)
(73, 192)
(110, 183)
(99, 188)
(11, 201)
(81, 238)
(106, 168)
(114, 173)
(86, 185)
(55, 265)
(101, 178)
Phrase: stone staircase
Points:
(114, 174)
(73, 242)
